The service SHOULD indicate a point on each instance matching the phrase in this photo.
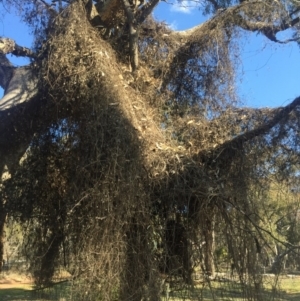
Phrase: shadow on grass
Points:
(291, 297)
(11, 294)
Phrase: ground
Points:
(15, 280)
(15, 287)
(19, 287)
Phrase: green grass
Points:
(288, 290)
(12, 294)
(27, 293)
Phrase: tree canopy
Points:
(127, 150)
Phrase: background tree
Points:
(128, 167)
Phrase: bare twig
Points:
(49, 7)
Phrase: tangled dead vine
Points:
(131, 174)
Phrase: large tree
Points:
(126, 147)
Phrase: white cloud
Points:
(182, 7)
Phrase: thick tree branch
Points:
(9, 46)
(230, 148)
(22, 87)
(128, 11)
(133, 36)
(227, 20)
(133, 47)
(282, 113)
(235, 16)
(20, 110)
(145, 11)
(6, 68)
(269, 30)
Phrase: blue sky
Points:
(269, 71)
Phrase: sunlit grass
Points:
(288, 290)
(27, 292)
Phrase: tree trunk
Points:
(141, 276)
(133, 47)
(2, 223)
(208, 233)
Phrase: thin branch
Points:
(215, 4)
(257, 227)
(49, 7)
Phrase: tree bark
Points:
(2, 223)
(208, 233)
(19, 106)
(133, 47)
(6, 71)
(19, 116)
